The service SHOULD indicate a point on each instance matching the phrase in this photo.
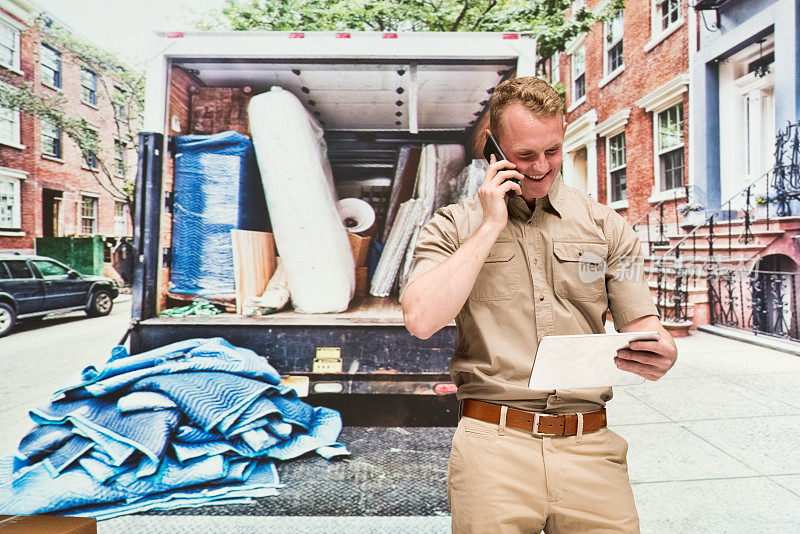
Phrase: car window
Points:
(50, 269)
(19, 269)
(3, 271)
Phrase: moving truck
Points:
(373, 93)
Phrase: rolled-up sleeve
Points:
(626, 282)
(436, 242)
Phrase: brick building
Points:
(47, 189)
(626, 84)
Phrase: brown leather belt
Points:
(536, 423)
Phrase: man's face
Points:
(534, 146)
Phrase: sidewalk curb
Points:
(747, 337)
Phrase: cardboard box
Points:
(360, 247)
(361, 281)
(47, 524)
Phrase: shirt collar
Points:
(555, 198)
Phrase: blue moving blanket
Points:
(193, 423)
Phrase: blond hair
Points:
(535, 94)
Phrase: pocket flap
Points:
(576, 251)
(502, 251)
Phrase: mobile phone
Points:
(491, 147)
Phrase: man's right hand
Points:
(492, 192)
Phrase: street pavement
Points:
(713, 446)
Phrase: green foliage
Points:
(543, 18)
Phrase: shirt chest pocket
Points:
(497, 279)
(579, 270)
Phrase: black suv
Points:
(33, 286)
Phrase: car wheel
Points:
(7, 318)
(101, 303)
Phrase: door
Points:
(61, 291)
(17, 279)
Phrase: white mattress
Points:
(301, 198)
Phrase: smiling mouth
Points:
(535, 178)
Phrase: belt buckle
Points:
(535, 430)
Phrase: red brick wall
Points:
(69, 174)
(644, 72)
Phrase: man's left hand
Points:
(650, 359)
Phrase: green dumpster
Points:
(84, 254)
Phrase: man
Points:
(510, 270)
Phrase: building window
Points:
(91, 161)
(119, 158)
(51, 139)
(9, 46)
(120, 227)
(9, 126)
(670, 147)
(9, 204)
(616, 167)
(121, 103)
(555, 74)
(51, 67)
(614, 31)
(668, 12)
(88, 87)
(579, 74)
(88, 215)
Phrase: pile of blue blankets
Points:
(193, 423)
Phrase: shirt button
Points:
(541, 297)
(535, 261)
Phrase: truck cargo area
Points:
(372, 96)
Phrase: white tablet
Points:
(583, 361)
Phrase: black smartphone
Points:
(491, 147)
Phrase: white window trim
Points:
(665, 96)
(96, 224)
(606, 80)
(617, 204)
(555, 70)
(612, 126)
(61, 72)
(18, 28)
(608, 76)
(17, 141)
(657, 35)
(16, 177)
(123, 221)
(659, 194)
(582, 99)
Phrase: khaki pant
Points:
(508, 480)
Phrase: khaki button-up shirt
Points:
(555, 271)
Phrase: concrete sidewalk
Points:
(714, 446)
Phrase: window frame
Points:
(657, 33)
(11, 273)
(120, 161)
(662, 152)
(82, 214)
(58, 75)
(92, 91)
(15, 130)
(59, 139)
(120, 220)
(16, 207)
(612, 169)
(609, 45)
(15, 31)
(573, 86)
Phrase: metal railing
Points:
(779, 189)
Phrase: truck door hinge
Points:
(169, 201)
